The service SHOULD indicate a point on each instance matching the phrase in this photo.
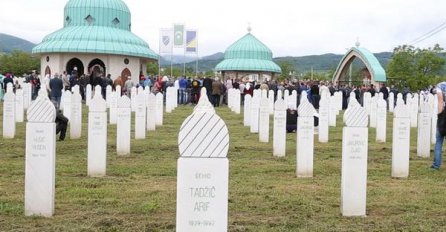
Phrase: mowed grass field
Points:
(139, 191)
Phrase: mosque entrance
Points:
(125, 73)
(47, 71)
(96, 68)
(74, 63)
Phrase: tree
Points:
(152, 68)
(418, 67)
(287, 68)
(19, 63)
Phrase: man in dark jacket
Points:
(207, 83)
(56, 86)
(61, 125)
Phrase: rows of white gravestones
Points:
(41, 140)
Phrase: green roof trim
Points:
(248, 54)
(371, 62)
(96, 26)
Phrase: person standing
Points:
(66, 81)
(216, 92)
(128, 85)
(441, 125)
(207, 83)
(56, 86)
(6, 80)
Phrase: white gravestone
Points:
(293, 99)
(88, 94)
(424, 130)
(280, 95)
(76, 116)
(123, 126)
(203, 171)
(332, 108)
(67, 99)
(323, 119)
(237, 101)
(140, 116)
(264, 120)
(159, 109)
(271, 101)
(133, 92)
(113, 107)
(9, 114)
(151, 113)
(19, 108)
(354, 162)
(40, 159)
(170, 100)
(27, 95)
(391, 102)
(434, 119)
(414, 111)
(305, 137)
(381, 120)
(118, 90)
(279, 128)
(108, 91)
(286, 97)
(401, 141)
(255, 111)
(367, 102)
(373, 111)
(247, 111)
(97, 137)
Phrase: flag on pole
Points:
(166, 41)
(191, 41)
(179, 35)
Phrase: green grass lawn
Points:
(139, 192)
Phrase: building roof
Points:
(96, 26)
(371, 62)
(248, 54)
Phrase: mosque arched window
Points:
(68, 20)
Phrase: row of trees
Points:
(19, 63)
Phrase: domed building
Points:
(96, 39)
(248, 58)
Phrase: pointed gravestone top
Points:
(140, 89)
(352, 100)
(124, 102)
(380, 96)
(41, 110)
(356, 116)
(203, 134)
(305, 109)
(97, 104)
(43, 93)
(280, 105)
(381, 103)
(9, 88)
(204, 106)
(97, 89)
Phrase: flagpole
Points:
(196, 66)
(184, 61)
(171, 64)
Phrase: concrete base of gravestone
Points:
(97, 144)
(305, 146)
(40, 169)
(400, 147)
(354, 171)
(202, 194)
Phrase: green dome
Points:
(248, 54)
(96, 26)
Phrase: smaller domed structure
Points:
(248, 56)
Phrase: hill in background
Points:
(9, 43)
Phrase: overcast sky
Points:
(287, 27)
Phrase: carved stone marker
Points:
(354, 162)
(413, 110)
(123, 126)
(255, 111)
(247, 111)
(159, 109)
(424, 130)
(391, 101)
(88, 94)
(332, 111)
(264, 120)
(97, 136)
(151, 112)
(9, 113)
(373, 111)
(203, 171)
(381, 120)
(323, 119)
(113, 107)
(76, 116)
(19, 106)
(305, 137)
(40, 160)
(140, 116)
(279, 130)
(401, 141)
